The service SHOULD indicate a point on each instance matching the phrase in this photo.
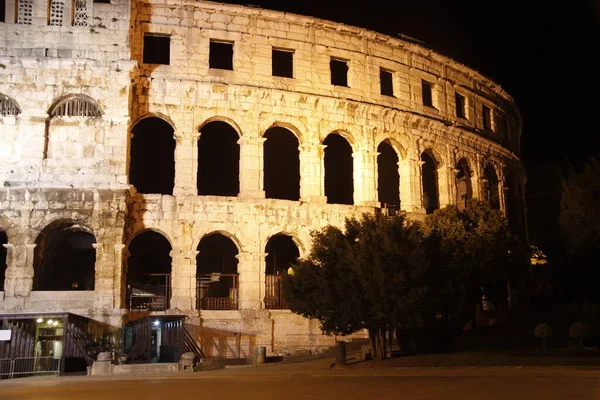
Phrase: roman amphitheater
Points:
(170, 158)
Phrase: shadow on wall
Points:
(223, 343)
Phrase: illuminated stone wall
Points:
(76, 168)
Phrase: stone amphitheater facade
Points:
(80, 89)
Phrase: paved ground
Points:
(314, 380)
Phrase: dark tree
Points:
(372, 276)
(580, 227)
(472, 254)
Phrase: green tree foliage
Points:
(543, 331)
(370, 276)
(382, 273)
(579, 330)
(472, 253)
(580, 210)
(580, 227)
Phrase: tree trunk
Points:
(382, 347)
(373, 341)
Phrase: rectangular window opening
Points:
(102, 1)
(460, 105)
(339, 72)
(221, 55)
(2, 10)
(283, 63)
(426, 89)
(487, 117)
(386, 82)
(157, 49)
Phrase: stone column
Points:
(19, 275)
(186, 163)
(501, 192)
(410, 184)
(251, 167)
(446, 185)
(262, 272)
(183, 279)
(249, 294)
(365, 188)
(312, 173)
(108, 267)
(477, 180)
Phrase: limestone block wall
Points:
(26, 212)
(76, 168)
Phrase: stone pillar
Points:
(410, 184)
(262, 272)
(251, 167)
(186, 163)
(107, 285)
(477, 180)
(249, 266)
(446, 185)
(501, 192)
(406, 174)
(183, 279)
(365, 178)
(19, 275)
(312, 173)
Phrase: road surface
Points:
(316, 381)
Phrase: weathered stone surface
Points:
(75, 168)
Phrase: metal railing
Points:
(217, 291)
(274, 298)
(150, 297)
(5, 367)
(29, 366)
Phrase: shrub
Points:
(580, 331)
(543, 331)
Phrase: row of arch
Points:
(152, 166)
(65, 258)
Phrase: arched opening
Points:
(3, 241)
(464, 190)
(216, 273)
(149, 272)
(388, 178)
(430, 183)
(64, 258)
(490, 187)
(281, 253)
(339, 181)
(282, 165)
(218, 160)
(152, 164)
(514, 206)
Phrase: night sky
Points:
(545, 57)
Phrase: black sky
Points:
(542, 53)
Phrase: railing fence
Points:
(29, 366)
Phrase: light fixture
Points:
(155, 323)
(49, 321)
(55, 323)
(39, 320)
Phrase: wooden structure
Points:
(157, 338)
(73, 339)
